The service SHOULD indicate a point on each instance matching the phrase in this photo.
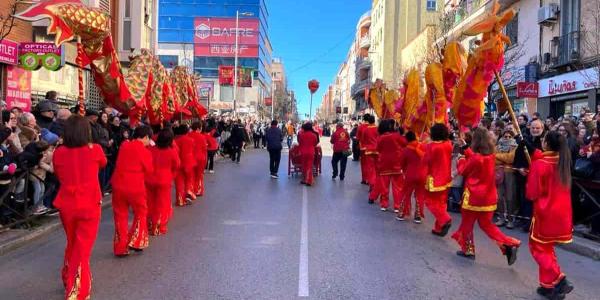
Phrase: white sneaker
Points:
(383, 209)
(40, 210)
(273, 176)
(211, 171)
(396, 210)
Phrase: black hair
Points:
(307, 126)
(366, 117)
(400, 129)
(165, 138)
(556, 142)
(274, 123)
(410, 136)
(439, 132)
(196, 126)
(181, 130)
(371, 119)
(385, 126)
(142, 132)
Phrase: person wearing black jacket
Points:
(274, 138)
(355, 145)
(237, 141)
(531, 142)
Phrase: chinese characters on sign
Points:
(216, 37)
(18, 88)
(225, 75)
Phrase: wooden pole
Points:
(511, 112)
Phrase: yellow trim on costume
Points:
(429, 186)
(391, 173)
(371, 153)
(466, 205)
(566, 239)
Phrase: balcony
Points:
(565, 49)
(365, 41)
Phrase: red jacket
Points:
(200, 145)
(411, 162)
(389, 147)
(307, 142)
(368, 139)
(552, 213)
(134, 163)
(185, 144)
(77, 171)
(211, 141)
(480, 181)
(359, 131)
(166, 164)
(340, 140)
(438, 162)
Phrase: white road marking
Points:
(303, 270)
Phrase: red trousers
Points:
(375, 189)
(549, 270)
(464, 234)
(81, 229)
(418, 187)
(184, 185)
(308, 161)
(437, 203)
(137, 237)
(370, 169)
(159, 208)
(363, 167)
(396, 181)
(199, 178)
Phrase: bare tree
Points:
(7, 19)
(590, 41)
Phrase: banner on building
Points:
(205, 90)
(268, 101)
(245, 77)
(34, 56)
(9, 52)
(338, 110)
(527, 89)
(225, 75)
(18, 88)
(217, 37)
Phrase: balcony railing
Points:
(565, 49)
(365, 41)
(465, 9)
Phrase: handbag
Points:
(347, 152)
(584, 168)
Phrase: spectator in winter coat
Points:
(28, 129)
(237, 139)
(58, 126)
(274, 137)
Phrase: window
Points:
(432, 5)
(169, 61)
(512, 30)
(127, 26)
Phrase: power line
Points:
(316, 59)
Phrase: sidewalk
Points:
(15, 238)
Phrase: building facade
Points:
(283, 99)
(201, 35)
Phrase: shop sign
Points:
(205, 89)
(18, 88)
(527, 89)
(225, 75)
(510, 76)
(34, 56)
(217, 37)
(268, 101)
(569, 83)
(245, 77)
(9, 52)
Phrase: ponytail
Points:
(558, 143)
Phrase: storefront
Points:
(9, 57)
(568, 94)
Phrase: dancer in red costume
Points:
(389, 146)
(437, 160)
(201, 154)
(134, 164)
(368, 141)
(76, 165)
(414, 179)
(549, 187)
(308, 140)
(184, 181)
(212, 148)
(158, 185)
(480, 198)
(359, 131)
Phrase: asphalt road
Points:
(251, 237)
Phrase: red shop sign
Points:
(9, 52)
(225, 75)
(18, 88)
(527, 89)
(268, 101)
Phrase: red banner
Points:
(527, 89)
(216, 37)
(225, 75)
(268, 101)
(18, 88)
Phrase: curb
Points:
(583, 247)
(39, 232)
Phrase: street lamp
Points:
(235, 68)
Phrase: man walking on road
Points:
(237, 141)
(274, 137)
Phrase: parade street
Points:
(252, 237)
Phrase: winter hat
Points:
(49, 137)
(5, 132)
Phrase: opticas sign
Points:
(222, 31)
(569, 83)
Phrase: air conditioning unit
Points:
(546, 58)
(548, 14)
